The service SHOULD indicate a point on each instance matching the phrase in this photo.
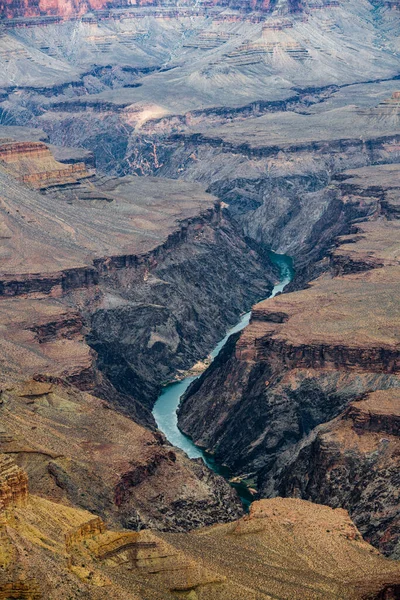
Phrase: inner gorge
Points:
(167, 404)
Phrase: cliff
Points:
(32, 163)
(100, 303)
(352, 462)
(107, 463)
(305, 356)
(112, 284)
(66, 9)
(13, 484)
(112, 251)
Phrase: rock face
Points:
(53, 551)
(107, 464)
(140, 303)
(122, 259)
(304, 357)
(114, 281)
(75, 8)
(13, 484)
(32, 163)
(352, 462)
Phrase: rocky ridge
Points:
(352, 461)
(52, 550)
(107, 463)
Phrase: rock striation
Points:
(111, 284)
(125, 254)
(13, 484)
(107, 463)
(108, 255)
(32, 163)
(66, 9)
(53, 551)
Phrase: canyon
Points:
(302, 360)
(152, 155)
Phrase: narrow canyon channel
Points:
(165, 409)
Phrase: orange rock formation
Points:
(282, 549)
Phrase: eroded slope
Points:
(55, 551)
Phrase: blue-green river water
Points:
(167, 403)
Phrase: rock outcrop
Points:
(13, 484)
(121, 258)
(111, 284)
(50, 550)
(32, 163)
(352, 462)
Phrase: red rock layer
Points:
(11, 9)
(33, 164)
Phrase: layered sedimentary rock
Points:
(304, 357)
(65, 9)
(120, 260)
(129, 255)
(50, 550)
(13, 484)
(113, 284)
(32, 163)
(106, 462)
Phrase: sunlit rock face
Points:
(12, 9)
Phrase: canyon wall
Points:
(352, 462)
(135, 282)
(200, 284)
(304, 357)
(141, 307)
(67, 9)
(13, 484)
(116, 281)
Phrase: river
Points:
(167, 403)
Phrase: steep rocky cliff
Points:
(107, 463)
(123, 258)
(32, 163)
(352, 462)
(305, 356)
(13, 484)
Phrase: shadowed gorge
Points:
(303, 358)
(165, 367)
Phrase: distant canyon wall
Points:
(14, 9)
